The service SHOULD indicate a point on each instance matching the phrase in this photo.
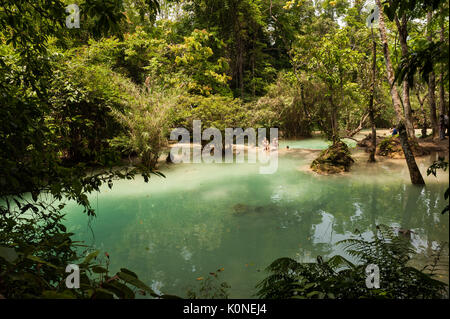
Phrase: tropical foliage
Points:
(83, 107)
(339, 278)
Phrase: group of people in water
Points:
(270, 146)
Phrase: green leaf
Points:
(129, 272)
(313, 293)
(309, 285)
(89, 257)
(99, 270)
(40, 261)
(120, 290)
(129, 279)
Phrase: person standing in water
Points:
(266, 144)
(394, 131)
(274, 144)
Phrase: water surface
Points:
(315, 143)
(203, 217)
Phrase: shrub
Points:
(341, 279)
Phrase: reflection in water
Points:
(204, 217)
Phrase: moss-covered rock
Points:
(392, 148)
(240, 209)
(335, 159)
(389, 146)
(243, 209)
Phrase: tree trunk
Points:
(441, 89)
(334, 127)
(403, 35)
(408, 111)
(360, 126)
(424, 114)
(374, 131)
(240, 62)
(432, 101)
(432, 84)
(414, 172)
(390, 70)
(241, 69)
(371, 110)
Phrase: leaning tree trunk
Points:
(414, 172)
(408, 111)
(389, 68)
(432, 84)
